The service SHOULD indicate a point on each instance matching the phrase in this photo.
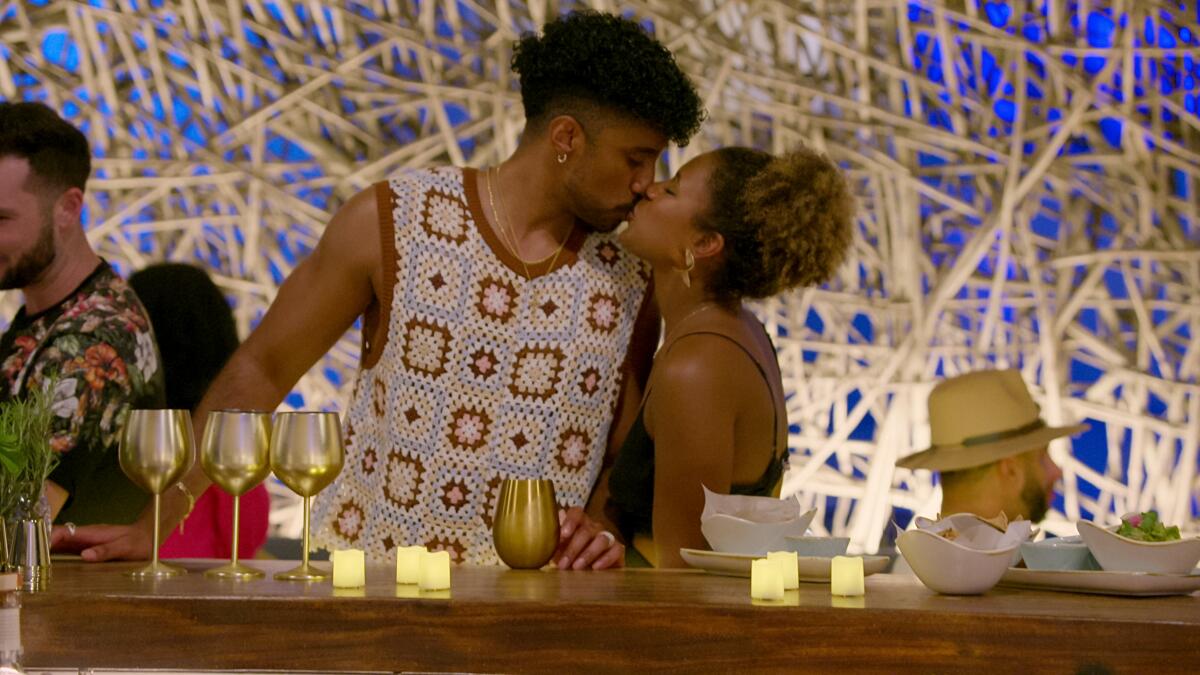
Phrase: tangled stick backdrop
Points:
(1027, 175)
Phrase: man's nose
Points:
(1056, 473)
(643, 179)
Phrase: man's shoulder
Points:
(105, 310)
(426, 177)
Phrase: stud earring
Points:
(689, 261)
(562, 158)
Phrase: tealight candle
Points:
(408, 564)
(435, 571)
(789, 568)
(846, 576)
(766, 582)
(349, 568)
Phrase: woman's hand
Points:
(584, 544)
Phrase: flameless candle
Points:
(435, 571)
(789, 568)
(766, 582)
(408, 564)
(846, 576)
(349, 569)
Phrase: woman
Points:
(733, 224)
(196, 335)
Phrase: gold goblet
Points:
(233, 454)
(306, 454)
(156, 449)
(525, 529)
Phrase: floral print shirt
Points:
(98, 350)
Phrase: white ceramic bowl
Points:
(816, 547)
(951, 568)
(985, 531)
(1064, 553)
(1120, 554)
(730, 534)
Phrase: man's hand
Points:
(97, 543)
(584, 544)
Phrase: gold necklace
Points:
(695, 310)
(500, 228)
(512, 244)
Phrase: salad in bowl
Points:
(1141, 543)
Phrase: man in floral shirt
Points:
(82, 330)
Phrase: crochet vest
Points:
(483, 374)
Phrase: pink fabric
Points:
(208, 531)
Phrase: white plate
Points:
(738, 564)
(1103, 583)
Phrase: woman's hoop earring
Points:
(562, 158)
(690, 261)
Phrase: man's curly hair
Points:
(605, 60)
(786, 221)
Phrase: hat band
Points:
(1002, 435)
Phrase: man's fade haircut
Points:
(58, 153)
(592, 59)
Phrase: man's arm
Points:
(315, 306)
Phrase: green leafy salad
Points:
(1147, 527)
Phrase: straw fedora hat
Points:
(982, 417)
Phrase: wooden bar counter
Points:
(497, 620)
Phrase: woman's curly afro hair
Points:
(607, 61)
(786, 221)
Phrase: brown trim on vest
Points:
(378, 314)
(471, 185)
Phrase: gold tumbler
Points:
(525, 529)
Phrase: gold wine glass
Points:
(234, 455)
(306, 454)
(525, 529)
(156, 449)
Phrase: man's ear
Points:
(566, 135)
(708, 245)
(1010, 469)
(68, 208)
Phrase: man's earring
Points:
(562, 158)
(689, 261)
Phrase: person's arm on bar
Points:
(315, 306)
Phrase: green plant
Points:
(26, 459)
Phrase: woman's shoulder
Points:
(701, 357)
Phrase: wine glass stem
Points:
(305, 552)
(154, 542)
(237, 505)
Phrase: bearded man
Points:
(82, 329)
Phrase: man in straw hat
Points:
(990, 446)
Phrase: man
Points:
(503, 327)
(81, 330)
(990, 447)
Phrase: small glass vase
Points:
(30, 547)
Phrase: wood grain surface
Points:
(497, 620)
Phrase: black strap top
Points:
(631, 481)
